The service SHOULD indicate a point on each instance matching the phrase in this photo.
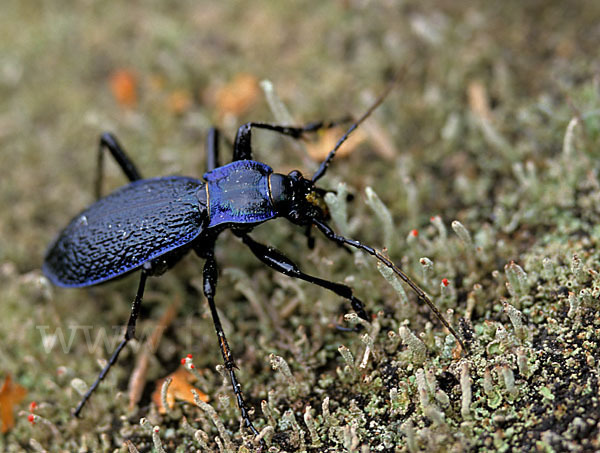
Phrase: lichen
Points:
(489, 199)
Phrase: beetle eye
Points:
(295, 175)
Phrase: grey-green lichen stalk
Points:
(490, 201)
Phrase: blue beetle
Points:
(149, 224)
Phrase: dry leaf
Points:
(179, 389)
(327, 139)
(123, 84)
(11, 394)
(238, 96)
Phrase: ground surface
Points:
(495, 124)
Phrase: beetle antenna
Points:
(323, 167)
(330, 234)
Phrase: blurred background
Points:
(475, 131)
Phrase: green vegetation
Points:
(488, 148)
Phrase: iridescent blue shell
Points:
(239, 193)
(136, 223)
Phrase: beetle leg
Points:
(110, 142)
(210, 275)
(242, 148)
(129, 334)
(212, 149)
(278, 261)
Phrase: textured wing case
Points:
(119, 233)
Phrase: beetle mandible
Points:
(150, 224)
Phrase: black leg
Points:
(129, 334)
(110, 142)
(242, 148)
(341, 240)
(212, 149)
(278, 261)
(310, 239)
(210, 285)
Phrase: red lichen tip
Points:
(31, 419)
(191, 366)
(32, 406)
(183, 361)
(414, 233)
(189, 356)
(445, 282)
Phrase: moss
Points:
(491, 184)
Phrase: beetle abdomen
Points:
(136, 223)
(239, 193)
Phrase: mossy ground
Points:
(496, 124)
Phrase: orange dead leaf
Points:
(179, 101)
(123, 84)
(327, 139)
(238, 96)
(179, 389)
(11, 394)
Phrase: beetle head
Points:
(297, 198)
